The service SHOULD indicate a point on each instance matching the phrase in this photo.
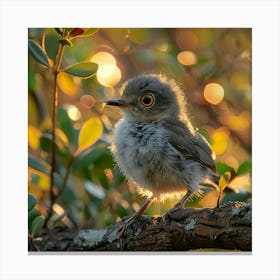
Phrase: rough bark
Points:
(227, 227)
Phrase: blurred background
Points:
(213, 68)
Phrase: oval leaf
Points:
(38, 53)
(244, 168)
(89, 31)
(65, 124)
(37, 224)
(224, 180)
(83, 69)
(90, 132)
(76, 31)
(34, 135)
(38, 164)
(32, 200)
(50, 43)
(32, 215)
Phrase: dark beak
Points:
(116, 102)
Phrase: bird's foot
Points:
(124, 226)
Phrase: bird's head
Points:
(150, 98)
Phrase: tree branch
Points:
(227, 227)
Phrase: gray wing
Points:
(191, 145)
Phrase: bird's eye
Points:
(147, 100)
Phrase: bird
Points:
(155, 144)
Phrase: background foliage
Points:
(212, 66)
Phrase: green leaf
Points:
(37, 224)
(86, 158)
(32, 215)
(38, 53)
(244, 168)
(65, 124)
(223, 168)
(32, 200)
(82, 69)
(51, 44)
(90, 132)
(240, 196)
(89, 31)
(38, 164)
(61, 147)
(105, 161)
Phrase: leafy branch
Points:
(53, 62)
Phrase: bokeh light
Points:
(108, 75)
(87, 101)
(220, 140)
(103, 58)
(187, 58)
(240, 122)
(73, 112)
(214, 93)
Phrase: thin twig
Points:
(54, 116)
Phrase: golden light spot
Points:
(108, 75)
(220, 140)
(109, 175)
(58, 209)
(187, 58)
(87, 101)
(125, 204)
(214, 93)
(103, 58)
(232, 161)
(73, 112)
(239, 123)
(67, 84)
(162, 46)
(242, 181)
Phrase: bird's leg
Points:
(136, 214)
(181, 203)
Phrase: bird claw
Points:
(124, 226)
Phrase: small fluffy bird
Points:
(155, 144)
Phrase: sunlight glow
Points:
(240, 122)
(187, 58)
(73, 112)
(214, 93)
(103, 58)
(87, 101)
(108, 75)
(220, 140)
